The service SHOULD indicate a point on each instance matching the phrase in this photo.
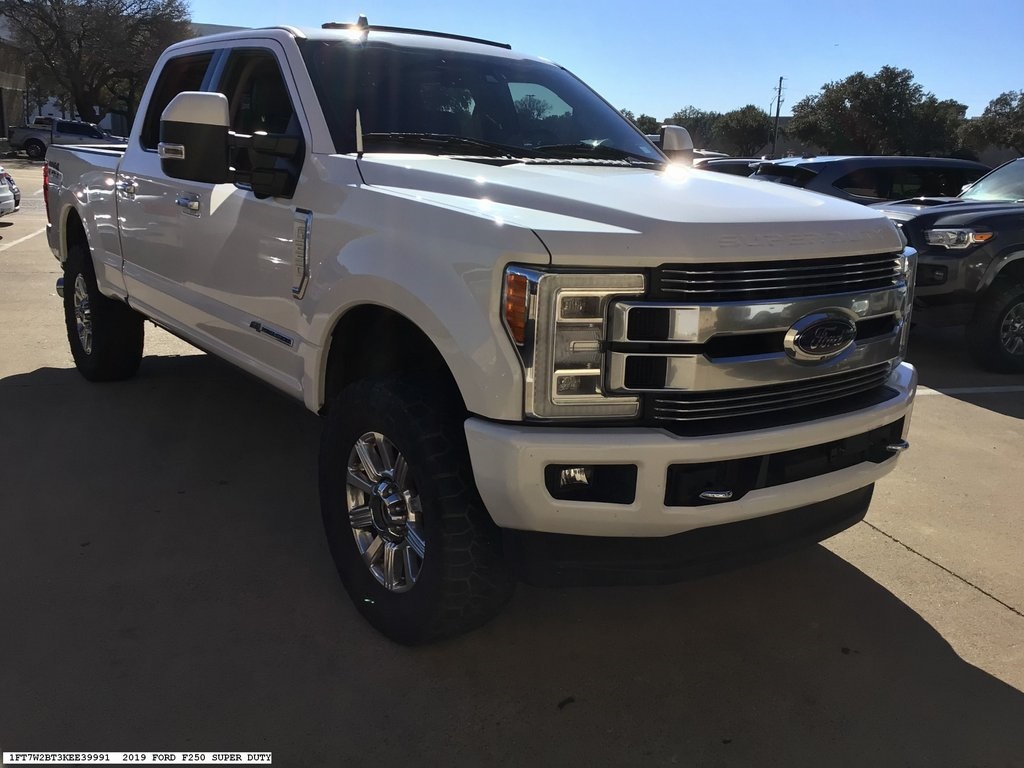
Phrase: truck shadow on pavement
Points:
(166, 586)
(944, 363)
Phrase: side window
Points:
(909, 182)
(257, 93)
(185, 73)
(865, 182)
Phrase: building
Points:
(12, 82)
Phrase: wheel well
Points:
(376, 341)
(74, 232)
(1014, 271)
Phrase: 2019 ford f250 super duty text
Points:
(538, 346)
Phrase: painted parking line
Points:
(997, 390)
(13, 243)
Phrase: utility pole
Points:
(778, 107)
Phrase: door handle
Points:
(127, 187)
(188, 201)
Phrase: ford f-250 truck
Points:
(970, 268)
(538, 347)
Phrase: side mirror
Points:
(965, 187)
(675, 138)
(194, 138)
(197, 145)
(676, 142)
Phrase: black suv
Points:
(970, 268)
(873, 179)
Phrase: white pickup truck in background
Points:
(539, 348)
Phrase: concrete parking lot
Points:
(166, 586)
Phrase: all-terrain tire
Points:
(996, 333)
(35, 150)
(106, 336)
(463, 580)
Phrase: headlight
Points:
(956, 238)
(557, 321)
(908, 267)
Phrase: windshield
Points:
(518, 107)
(1003, 184)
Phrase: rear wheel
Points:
(105, 335)
(35, 149)
(413, 545)
(996, 334)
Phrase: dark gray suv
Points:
(970, 268)
(873, 179)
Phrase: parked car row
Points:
(862, 179)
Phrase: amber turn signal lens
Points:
(517, 296)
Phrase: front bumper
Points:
(509, 462)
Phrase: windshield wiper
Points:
(589, 150)
(443, 143)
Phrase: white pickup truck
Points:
(540, 349)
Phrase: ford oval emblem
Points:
(819, 337)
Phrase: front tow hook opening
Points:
(897, 447)
(60, 287)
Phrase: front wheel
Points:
(996, 333)
(413, 545)
(105, 335)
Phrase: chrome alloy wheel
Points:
(1011, 332)
(83, 314)
(384, 512)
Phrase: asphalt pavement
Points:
(165, 585)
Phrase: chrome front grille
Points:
(806, 395)
(770, 280)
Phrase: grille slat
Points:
(769, 280)
(752, 402)
(874, 272)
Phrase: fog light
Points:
(928, 274)
(575, 476)
(586, 383)
(597, 484)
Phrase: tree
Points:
(532, 108)
(744, 131)
(1002, 122)
(882, 114)
(99, 52)
(701, 124)
(645, 123)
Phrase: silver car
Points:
(10, 195)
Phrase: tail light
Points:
(46, 190)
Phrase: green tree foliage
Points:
(645, 123)
(99, 52)
(882, 114)
(744, 131)
(702, 125)
(1002, 122)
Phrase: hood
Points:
(598, 215)
(951, 210)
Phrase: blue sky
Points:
(657, 57)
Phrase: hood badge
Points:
(819, 337)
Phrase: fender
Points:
(442, 270)
(998, 265)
